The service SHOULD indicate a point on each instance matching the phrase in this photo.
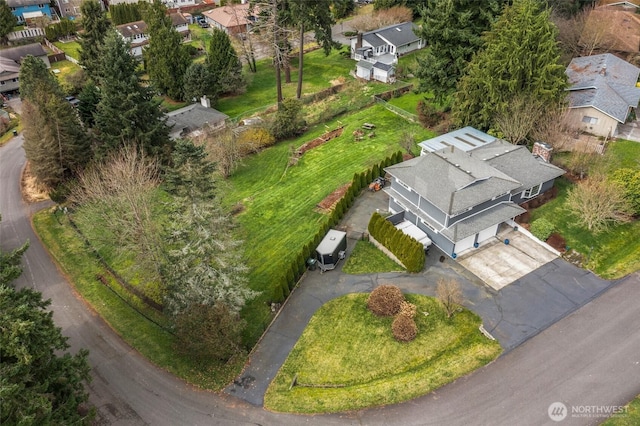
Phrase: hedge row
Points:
(407, 249)
(288, 280)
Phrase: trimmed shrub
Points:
(404, 328)
(542, 228)
(385, 300)
(407, 309)
(363, 180)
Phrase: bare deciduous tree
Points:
(553, 128)
(224, 150)
(381, 18)
(519, 119)
(118, 195)
(408, 141)
(448, 292)
(598, 202)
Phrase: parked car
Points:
(203, 24)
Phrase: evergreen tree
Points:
(89, 99)
(10, 267)
(95, 24)
(453, 30)
(165, 57)
(223, 65)
(204, 263)
(38, 383)
(196, 81)
(54, 142)
(521, 58)
(343, 8)
(127, 111)
(7, 20)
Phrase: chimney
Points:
(359, 40)
(206, 102)
(542, 150)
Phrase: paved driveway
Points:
(499, 264)
(513, 315)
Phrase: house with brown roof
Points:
(613, 27)
(232, 19)
(10, 60)
(136, 33)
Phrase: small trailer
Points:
(331, 250)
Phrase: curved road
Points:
(590, 358)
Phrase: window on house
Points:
(2, 83)
(531, 192)
(589, 120)
(41, 6)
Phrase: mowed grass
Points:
(347, 358)
(614, 252)
(368, 259)
(319, 72)
(152, 340)
(279, 202)
(631, 417)
(71, 48)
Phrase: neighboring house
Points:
(602, 93)
(232, 19)
(171, 4)
(460, 195)
(612, 28)
(377, 51)
(136, 33)
(10, 60)
(32, 9)
(69, 8)
(193, 119)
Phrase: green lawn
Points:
(368, 259)
(347, 358)
(135, 327)
(630, 418)
(280, 215)
(613, 253)
(71, 48)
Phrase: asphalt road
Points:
(590, 358)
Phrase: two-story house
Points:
(10, 60)
(136, 33)
(464, 185)
(30, 8)
(377, 51)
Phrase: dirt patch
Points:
(558, 242)
(326, 137)
(32, 191)
(338, 81)
(332, 199)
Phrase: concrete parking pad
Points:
(499, 264)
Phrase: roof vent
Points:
(135, 26)
(398, 29)
(129, 28)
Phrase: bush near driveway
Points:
(348, 359)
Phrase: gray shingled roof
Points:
(193, 117)
(604, 82)
(452, 180)
(397, 35)
(479, 222)
(9, 68)
(382, 66)
(17, 53)
(23, 3)
(518, 162)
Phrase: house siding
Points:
(476, 209)
(18, 11)
(606, 125)
(438, 239)
(420, 202)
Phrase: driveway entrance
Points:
(499, 264)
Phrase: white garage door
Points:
(465, 244)
(488, 233)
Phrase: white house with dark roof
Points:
(377, 51)
(602, 93)
(460, 195)
(136, 33)
(10, 61)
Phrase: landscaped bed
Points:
(347, 358)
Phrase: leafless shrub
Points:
(448, 292)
